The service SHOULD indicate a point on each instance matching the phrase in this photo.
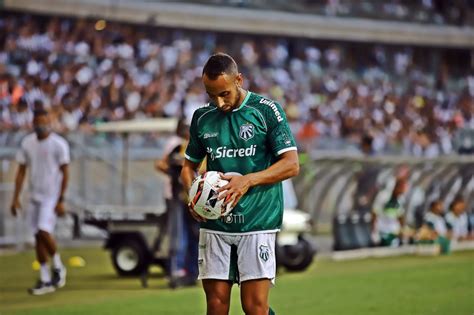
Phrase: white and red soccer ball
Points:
(204, 196)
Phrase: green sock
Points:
(270, 311)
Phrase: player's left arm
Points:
(63, 160)
(287, 166)
(60, 208)
(282, 143)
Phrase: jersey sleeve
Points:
(64, 155)
(195, 151)
(279, 134)
(21, 154)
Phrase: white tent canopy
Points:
(126, 127)
(139, 126)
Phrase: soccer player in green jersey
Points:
(246, 133)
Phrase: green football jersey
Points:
(247, 140)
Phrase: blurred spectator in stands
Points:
(388, 223)
(434, 229)
(464, 138)
(366, 145)
(366, 179)
(21, 117)
(306, 135)
(457, 220)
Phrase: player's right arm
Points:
(188, 173)
(19, 179)
(194, 155)
(21, 158)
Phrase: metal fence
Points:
(327, 185)
(96, 179)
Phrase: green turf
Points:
(404, 285)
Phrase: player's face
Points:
(41, 126)
(224, 91)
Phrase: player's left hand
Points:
(237, 187)
(60, 209)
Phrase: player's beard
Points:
(235, 103)
(238, 98)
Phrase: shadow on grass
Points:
(114, 282)
(117, 277)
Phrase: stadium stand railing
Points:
(199, 16)
(340, 193)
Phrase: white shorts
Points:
(236, 258)
(42, 215)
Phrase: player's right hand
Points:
(15, 207)
(60, 209)
(194, 214)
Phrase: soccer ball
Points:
(203, 195)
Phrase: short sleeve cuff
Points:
(286, 150)
(192, 159)
(20, 157)
(65, 158)
(64, 161)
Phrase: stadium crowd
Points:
(439, 12)
(408, 100)
(421, 11)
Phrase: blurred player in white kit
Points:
(46, 157)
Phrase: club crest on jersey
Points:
(264, 252)
(246, 131)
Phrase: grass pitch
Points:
(402, 285)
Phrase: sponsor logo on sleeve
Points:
(273, 107)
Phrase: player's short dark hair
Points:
(219, 64)
(40, 112)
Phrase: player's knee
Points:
(42, 234)
(255, 306)
(217, 304)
